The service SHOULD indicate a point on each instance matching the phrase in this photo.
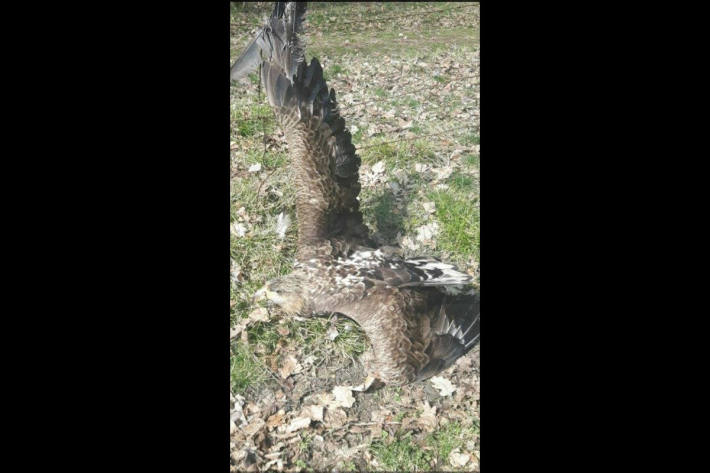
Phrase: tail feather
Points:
(457, 329)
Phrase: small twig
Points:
(258, 190)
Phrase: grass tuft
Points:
(459, 219)
(245, 370)
(400, 453)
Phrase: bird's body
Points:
(419, 314)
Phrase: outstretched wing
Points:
(415, 333)
(323, 158)
(380, 267)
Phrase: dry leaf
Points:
(378, 167)
(343, 396)
(238, 229)
(234, 331)
(427, 420)
(275, 420)
(254, 426)
(237, 415)
(283, 330)
(335, 418)
(443, 385)
(458, 459)
(298, 423)
(314, 412)
(290, 366)
(255, 167)
(332, 333)
(259, 314)
(443, 173)
(365, 385)
(427, 232)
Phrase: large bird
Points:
(420, 314)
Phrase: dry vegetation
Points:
(406, 79)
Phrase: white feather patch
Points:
(282, 223)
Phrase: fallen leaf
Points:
(254, 426)
(332, 333)
(298, 423)
(239, 229)
(255, 167)
(443, 173)
(343, 396)
(427, 232)
(290, 366)
(365, 385)
(237, 415)
(259, 314)
(275, 420)
(378, 167)
(380, 416)
(458, 459)
(314, 412)
(443, 385)
(430, 207)
(283, 330)
(335, 418)
(427, 420)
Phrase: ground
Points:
(406, 78)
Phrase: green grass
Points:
(268, 160)
(400, 154)
(357, 137)
(471, 139)
(400, 453)
(461, 182)
(333, 71)
(472, 160)
(347, 466)
(245, 370)
(255, 119)
(459, 220)
(449, 437)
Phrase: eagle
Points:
(419, 314)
